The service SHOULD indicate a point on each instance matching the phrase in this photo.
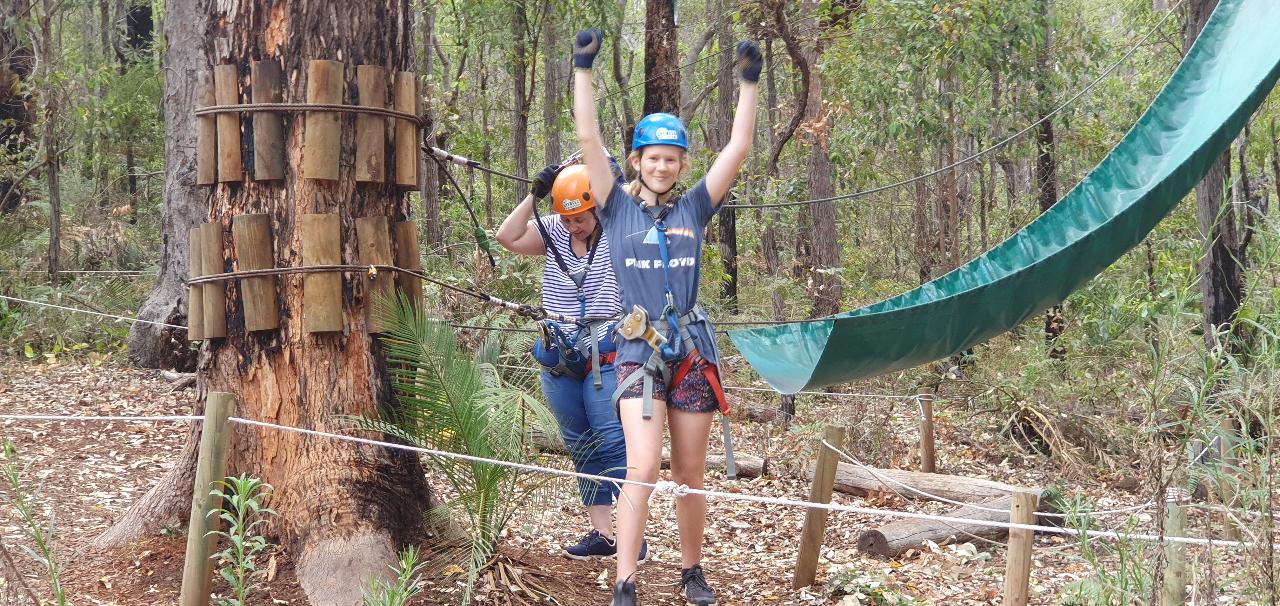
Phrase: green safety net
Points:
(1229, 71)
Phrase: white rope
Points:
(128, 272)
(680, 490)
(886, 479)
(96, 313)
(155, 419)
(827, 393)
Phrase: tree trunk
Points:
(661, 58)
(554, 68)
(623, 79)
(16, 61)
(1221, 273)
(520, 117)
(824, 261)
(45, 42)
(719, 127)
(152, 346)
(428, 170)
(343, 509)
(1046, 169)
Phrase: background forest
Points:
(1146, 363)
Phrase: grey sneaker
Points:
(694, 585)
(624, 594)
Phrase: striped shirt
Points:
(560, 294)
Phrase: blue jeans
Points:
(590, 429)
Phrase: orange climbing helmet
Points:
(571, 192)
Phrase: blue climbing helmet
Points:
(660, 129)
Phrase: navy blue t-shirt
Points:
(637, 261)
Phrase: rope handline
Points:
(998, 145)
(889, 480)
(96, 313)
(668, 487)
(143, 419)
(442, 155)
(309, 107)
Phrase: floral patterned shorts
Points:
(692, 394)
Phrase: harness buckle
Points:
(635, 325)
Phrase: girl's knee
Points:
(643, 473)
(688, 478)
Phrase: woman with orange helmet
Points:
(577, 358)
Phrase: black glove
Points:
(749, 61)
(586, 45)
(543, 180)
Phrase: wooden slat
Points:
(321, 292)
(407, 149)
(409, 256)
(373, 239)
(268, 127)
(371, 130)
(322, 144)
(206, 133)
(226, 87)
(211, 468)
(251, 236)
(195, 292)
(215, 293)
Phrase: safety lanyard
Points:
(672, 349)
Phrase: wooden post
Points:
(371, 130)
(226, 87)
(215, 293)
(409, 256)
(206, 134)
(251, 236)
(815, 520)
(1174, 591)
(321, 292)
(1017, 575)
(322, 142)
(268, 127)
(195, 292)
(1226, 467)
(211, 467)
(373, 240)
(927, 461)
(406, 100)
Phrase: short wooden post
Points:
(815, 520)
(268, 127)
(1174, 591)
(226, 86)
(1226, 468)
(1017, 575)
(195, 292)
(215, 293)
(211, 467)
(206, 133)
(322, 141)
(251, 236)
(321, 292)
(371, 129)
(928, 463)
(373, 239)
(407, 148)
(409, 256)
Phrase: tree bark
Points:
(342, 508)
(623, 79)
(51, 101)
(824, 261)
(16, 62)
(429, 171)
(152, 346)
(520, 124)
(661, 58)
(1046, 169)
(895, 538)
(719, 126)
(554, 69)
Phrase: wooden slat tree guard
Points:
(211, 467)
(371, 130)
(409, 256)
(195, 292)
(322, 140)
(226, 87)
(373, 235)
(815, 520)
(215, 293)
(251, 236)
(268, 127)
(321, 292)
(206, 134)
(406, 100)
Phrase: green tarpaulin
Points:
(1226, 75)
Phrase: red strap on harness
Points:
(607, 359)
(709, 370)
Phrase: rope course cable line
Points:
(309, 107)
(981, 153)
(95, 313)
(680, 490)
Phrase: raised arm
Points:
(725, 167)
(585, 47)
(517, 233)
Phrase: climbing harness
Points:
(671, 340)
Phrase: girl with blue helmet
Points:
(577, 358)
(666, 364)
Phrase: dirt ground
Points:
(89, 473)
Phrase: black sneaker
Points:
(592, 546)
(644, 552)
(624, 594)
(694, 585)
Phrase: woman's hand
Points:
(585, 47)
(748, 61)
(543, 181)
